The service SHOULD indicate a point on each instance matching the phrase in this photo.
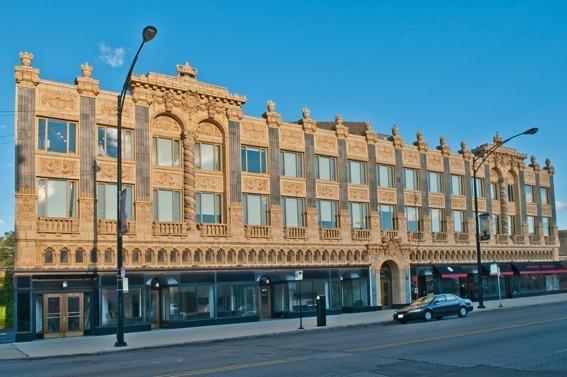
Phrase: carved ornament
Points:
(166, 124)
(458, 202)
(292, 188)
(292, 139)
(436, 200)
(387, 196)
(358, 194)
(209, 182)
(327, 191)
(57, 167)
(357, 148)
(255, 184)
(326, 143)
(411, 157)
(57, 100)
(167, 179)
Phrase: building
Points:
(224, 207)
(563, 244)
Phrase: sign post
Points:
(495, 270)
(299, 278)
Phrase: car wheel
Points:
(462, 312)
(427, 316)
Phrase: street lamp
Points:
(482, 157)
(148, 34)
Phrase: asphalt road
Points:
(530, 341)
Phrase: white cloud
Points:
(559, 205)
(114, 57)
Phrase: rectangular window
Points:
(357, 172)
(106, 201)
(255, 209)
(165, 152)
(529, 191)
(411, 179)
(387, 217)
(510, 192)
(358, 215)
(108, 142)
(544, 194)
(253, 159)
(459, 221)
(531, 225)
(325, 168)
(479, 187)
(413, 219)
(56, 135)
(328, 213)
(209, 208)
(494, 190)
(207, 156)
(385, 175)
(437, 223)
(511, 225)
(57, 198)
(546, 225)
(496, 224)
(167, 205)
(293, 213)
(291, 164)
(457, 185)
(435, 181)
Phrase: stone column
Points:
(398, 143)
(422, 147)
(273, 121)
(189, 179)
(503, 205)
(523, 205)
(371, 138)
(143, 199)
(235, 206)
(446, 152)
(537, 195)
(554, 232)
(309, 129)
(342, 133)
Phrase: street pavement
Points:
(520, 341)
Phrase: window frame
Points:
(463, 222)
(301, 211)
(332, 167)
(175, 159)
(217, 200)
(418, 221)
(544, 193)
(335, 213)
(390, 172)
(361, 167)
(263, 163)
(529, 192)
(125, 131)
(393, 223)
(43, 144)
(103, 198)
(156, 205)
(264, 209)
(71, 188)
(442, 226)
(415, 179)
(461, 185)
(298, 164)
(364, 214)
(439, 181)
(217, 156)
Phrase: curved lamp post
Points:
(476, 165)
(148, 34)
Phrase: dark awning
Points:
(451, 271)
(540, 268)
(505, 269)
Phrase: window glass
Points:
(357, 172)
(479, 187)
(546, 226)
(435, 182)
(495, 224)
(291, 164)
(511, 225)
(208, 208)
(253, 159)
(57, 198)
(386, 212)
(531, 225)
(411, 180)
(413, 223)
(510, 192)
(358, 215)
(529, 193)
(459, 221)
(207, 157)
(166, 205)
(494, 190)
(385, 175)
(437, 220)
(255, 209)
(292, 212)
(166, 152)
(106, 201)
(457, 185)
(544, 194)
(327, 210)
(57, 136)
(325, 168)
(41, 134)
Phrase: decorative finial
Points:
(497, 139)
(547, 163)
(271, 106)
(533, 160)
(442, 141)
(339, 119)
(395, 131)
(26, 58)
(419, 135)
(186, 71)
(463, 145)
(87, 70)
(305, 113)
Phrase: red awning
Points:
(543, 268)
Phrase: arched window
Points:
(64, 256)
(161, 256)
(209, 257)
(241, 256)
(135, 256)
(251, 257)
(186, 256)
(173, 257)
(230, 258)
(197, 258)
(148, 256)
(48, 256)
(108, 256)
(79, 256)
(219, 256)
(94, 256)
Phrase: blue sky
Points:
(460, 69)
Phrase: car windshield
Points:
(424, 300)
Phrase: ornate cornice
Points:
(86, 85)
(25, 74)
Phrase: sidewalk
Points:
(168, 337)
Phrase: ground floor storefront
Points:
(516, 279)
(60, 305)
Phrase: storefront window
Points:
(355, 293)
(132, 306)
(189, 302)
(235, 300)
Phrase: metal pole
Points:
(499, 291)
(477, 234)
(300, 314)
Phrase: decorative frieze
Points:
(411, 158)
(253, 132)
(385, 153)
(292, 139)
(209, 132)
(358, 193)
(292, 187)
(357, 149)
(458, 202)
(327, 191)
(387, 196)
(167, 178)
(326, 143)
(209, 182)
(436, 200)
(57, 167)
(412, 198)
(256, 185)
(434, 161)
(107, 171)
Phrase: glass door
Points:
(74, 322)
(265, 304)
(53, 316)
(63, 315)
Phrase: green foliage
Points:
(7, 243)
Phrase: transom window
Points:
(385, 175)
(325, 168)
(166, 152)
(459, 221)
(107, 198)
(208, 156)
(411, 179)
(253, 159)
(529, 193)
(56, 136)
(357, 172)
(387, 216)
(358, 215)
(435, 181)
(291, 164)
(437, 223)
(166, 205)
(209, 208)
(413, 219)
(457, 186)
(255, 209)
(328, 214)
(293, 212)
(108, 142)
(57, 198)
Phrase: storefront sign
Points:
(493, 269)
(125, 285)
(298, 274)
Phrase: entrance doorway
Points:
(386, 285)
(63, 315)
(265, 297)
(155, 305)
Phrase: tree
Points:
(7, 248)
(7, 243)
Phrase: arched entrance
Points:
(391, 284)
(386, 285)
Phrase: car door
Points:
(453, 304)
(438, 306)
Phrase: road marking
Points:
(234, 367)
(561, 351)
(456, 335)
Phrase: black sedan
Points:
(434, 306)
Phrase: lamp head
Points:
(531, 131)
(149, 33)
